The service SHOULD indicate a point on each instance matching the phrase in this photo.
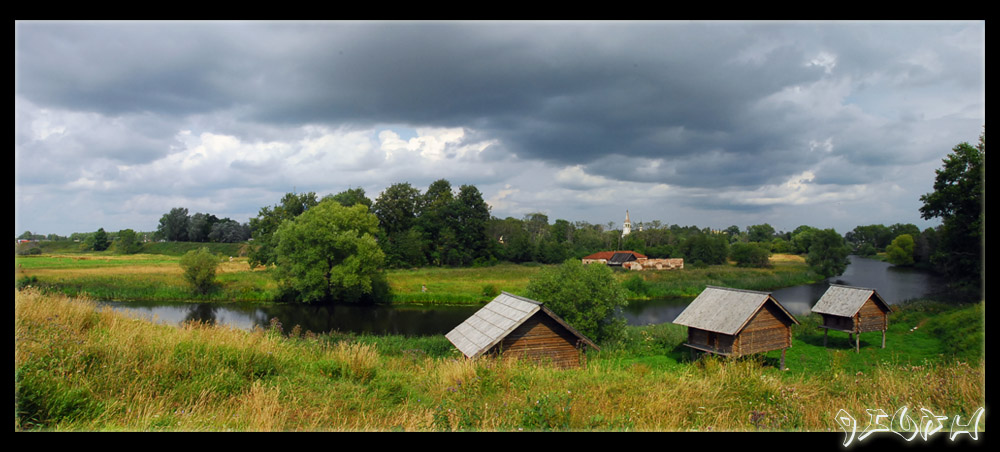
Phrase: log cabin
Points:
(513, 326)
(735, 322)
(853, 310)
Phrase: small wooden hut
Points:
(735, 322)
(516, 326)
(853, 310)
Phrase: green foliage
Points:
(267, 222)
(705, 249)
(99, 241)
(959, 200)
(127, 242)
(330, 253)
(199, 269)
(174, 225)
(750, 254)
(760, 233)
(827, 253)
(352, 196)
(900, 251)
(585, 296)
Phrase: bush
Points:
(750, 255)
(585, 296)
(199, 269)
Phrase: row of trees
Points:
(178, 226)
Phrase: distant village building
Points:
(853, 310)
(631, 260)
(735, 322)
(627, 227)
(514, 326)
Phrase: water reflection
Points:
(893, 284)
(402, 320)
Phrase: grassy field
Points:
(77, 367)
(107, 276)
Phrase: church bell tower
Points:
(627, 227)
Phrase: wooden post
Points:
(783, 358)
(883, 338)
(857, 343)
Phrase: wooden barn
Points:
(735, 322)
(520, 327)
(853, 310)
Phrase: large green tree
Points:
(174, 225)
(827, 253)
(269, 219)
(587, 297)
(900, 251)
(127, 242)
(329, 253)
(958, 200)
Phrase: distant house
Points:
(853, 310)
(734, 322)
(520, 327)
(613, 258)
(632, 260)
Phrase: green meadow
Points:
(158, 276)
(80, 367)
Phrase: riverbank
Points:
(82, 368)
(158, 277)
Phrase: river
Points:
(894, 284)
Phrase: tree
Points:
(200, 226)
(352, 196)
(751, 254)
(959, 200)
(471, 215)
(900, 251)
(397, 207)
(199, 269)
(98, 241)
(827, 253)
(127, 242)
(705, 249)
(263, 227)
(229, 231)
(174, 225)
(329, 253)
(760, 233)
(585, 296)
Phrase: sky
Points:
(828, 124)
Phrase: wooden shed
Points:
(853, 310)
(516, 326)
(735, 322)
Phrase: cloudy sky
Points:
(829, 124)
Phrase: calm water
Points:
(893, 284)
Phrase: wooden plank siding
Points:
(764, 332)
(541, 339)
(871, 318)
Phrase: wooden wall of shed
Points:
(871, 317)
(837, 322)
(722, 343)
(541, 339)
(769, 329)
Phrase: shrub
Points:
(199, 269)
(750, 255)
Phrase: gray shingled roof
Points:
(845, 301)
(493, 322)
(725, 310)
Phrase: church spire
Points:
(627, 227)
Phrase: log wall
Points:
(541, 339)
(767, 330)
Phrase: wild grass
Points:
(80, 367)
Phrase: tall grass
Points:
(78, 367)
